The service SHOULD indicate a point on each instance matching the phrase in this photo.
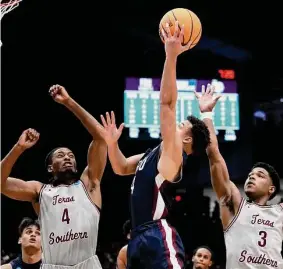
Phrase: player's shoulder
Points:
(16, 263)
(35, 184)
(6, 266)
(156, 150)
(123, 251)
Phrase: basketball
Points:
(191, 22)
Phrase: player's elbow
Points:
(213, 154)
(167, 102)
(120, 170)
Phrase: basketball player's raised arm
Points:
(96, 159)
(15, 188)
(120, 164)
(171, 156)
(60, 95)
(225, 189)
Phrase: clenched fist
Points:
(28, 139)
(59, 94)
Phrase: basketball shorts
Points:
(155, 245)
(90, 263)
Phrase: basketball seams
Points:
(178, 26)
(199, 33)
(193, 27)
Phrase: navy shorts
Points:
(155, 245)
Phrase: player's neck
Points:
(31, 257)
(260, 201)
(188, 150)
(64, 178)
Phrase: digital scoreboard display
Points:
(141, 105)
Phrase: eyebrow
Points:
(60, 151)
(261, 172)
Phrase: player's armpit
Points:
(18, 189)
(230, 206)
(236, 196)
(132, 163)
(171, 159)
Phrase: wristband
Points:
(206, 115)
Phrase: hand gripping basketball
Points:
(173, 43)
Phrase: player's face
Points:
(63, 160)
(184, 129)
(31, 238)
(202, 259)
(258, 183)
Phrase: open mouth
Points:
(32, 240)
(67, 164)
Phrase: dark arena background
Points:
(92, 48)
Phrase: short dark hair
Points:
(273, 175)
(200, 134)
(127, 227)
(27, 222)
(206, 247)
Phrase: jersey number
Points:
(263, 236)
(140, 166)
(65, 216)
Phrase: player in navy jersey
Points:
(30, 241)
(154, 243)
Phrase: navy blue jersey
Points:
(147, 203)
(19, 264)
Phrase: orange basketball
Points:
(191, 22)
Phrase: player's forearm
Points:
(168, 89)
(212, 149)
(218, 168)
(8, 162)
(88, 121)
(117, 159)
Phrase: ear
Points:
(193, 258)
(188, 140)
(20, 240)
(210, 264)
(50, 168)
(271, 190)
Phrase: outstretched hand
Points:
(112, 133)
(173, 43)
(206, 99)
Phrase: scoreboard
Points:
(141, 105)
